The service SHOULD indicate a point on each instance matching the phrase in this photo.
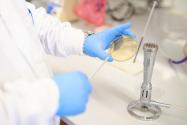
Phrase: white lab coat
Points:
(28, 95)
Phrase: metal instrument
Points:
(145, 29)
(143, 108)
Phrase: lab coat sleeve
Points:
(28, 103)
(57, 38)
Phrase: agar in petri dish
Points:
(123, 49)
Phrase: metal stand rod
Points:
(145, 29)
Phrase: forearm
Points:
(26, 102)
(57, 38)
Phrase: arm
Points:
(57, 38)
(27, 103)
(61, 39)
(36, 103)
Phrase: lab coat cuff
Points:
(74, 41)
(38, 98)
(51, 98)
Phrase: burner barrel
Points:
(150, 51)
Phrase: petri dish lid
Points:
(123, 49)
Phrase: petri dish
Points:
(123, 49)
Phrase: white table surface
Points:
(115, 89)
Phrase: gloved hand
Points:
(74, 89)
(95, 45)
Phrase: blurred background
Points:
(168, 26)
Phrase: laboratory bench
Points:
(117, 84)
(114, 89)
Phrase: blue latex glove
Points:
(74, 89)
(95, 45)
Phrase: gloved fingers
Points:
(111, 42)
(118, 30)
(102, 54)
(85, 98)
(86, 82)
(129, 33)
(88, 87)
(81, 106)
(76, 111)
(126, 33)
(122, 26)
(79, 110)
